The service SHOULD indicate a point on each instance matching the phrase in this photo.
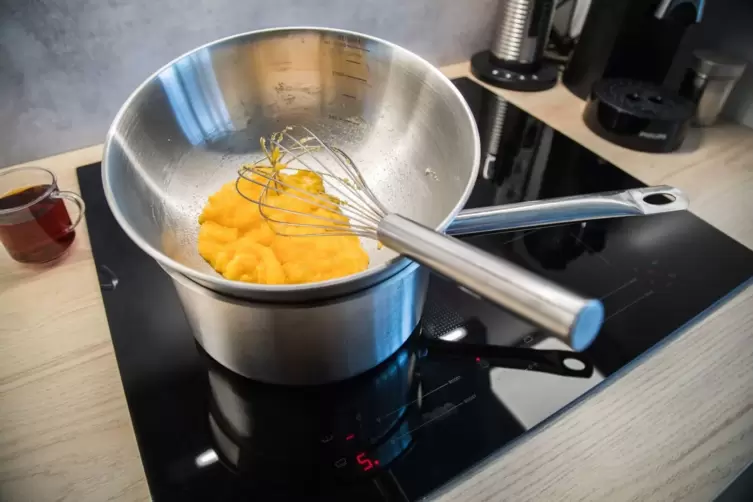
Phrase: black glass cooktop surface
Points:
(408, 427)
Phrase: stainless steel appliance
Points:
(709, 82)
(516, 59)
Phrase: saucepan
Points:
(185, 131)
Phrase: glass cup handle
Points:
(76, 199)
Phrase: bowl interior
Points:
(188, 128)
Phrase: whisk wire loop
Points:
(358, 211)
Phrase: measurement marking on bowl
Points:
(341, 74)
(344, 44)
(350, 120)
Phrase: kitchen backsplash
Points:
(67, 65)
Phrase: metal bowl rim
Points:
(368, 276)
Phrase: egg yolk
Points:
(242, 245)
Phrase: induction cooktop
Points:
(411, 425)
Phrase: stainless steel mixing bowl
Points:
(186, 130)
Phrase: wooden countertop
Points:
(677, 426)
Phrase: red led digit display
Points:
(365, 463)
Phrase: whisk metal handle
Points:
(573, 319)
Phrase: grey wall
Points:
(67, 65)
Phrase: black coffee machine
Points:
(620, 64)
(629, 39)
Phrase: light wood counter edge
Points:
(652, 434)
(65, 431)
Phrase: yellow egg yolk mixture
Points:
(242, 245)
